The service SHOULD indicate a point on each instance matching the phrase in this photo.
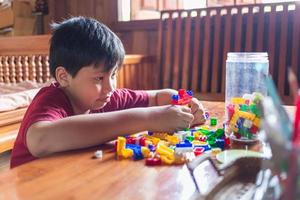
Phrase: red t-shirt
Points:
(51, 104)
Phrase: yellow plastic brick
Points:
(256, 122)
(173, 139)
(238, 100)
(246, 115)
(145, 152)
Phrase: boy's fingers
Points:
(188, 118)
(197, 110)
(199, 114)
(198, 121)
(196, 105)
(186, 109)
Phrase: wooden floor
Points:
(4, 160)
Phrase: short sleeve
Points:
(125, 98)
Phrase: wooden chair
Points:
(193, 44)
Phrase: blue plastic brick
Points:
(150, 133)
(137, 152)
(184, 145)
(175, 97)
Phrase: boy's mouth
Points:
(106, 99)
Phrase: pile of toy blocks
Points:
(163, 148)
(244, 116)
(178, 148)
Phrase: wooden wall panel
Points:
(213, 32)
(104, 10)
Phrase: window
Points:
(150, 9)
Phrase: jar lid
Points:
(247, 56)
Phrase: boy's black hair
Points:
(80, 41)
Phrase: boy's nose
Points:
(108, 86)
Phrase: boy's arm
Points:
(164, 97)
(83, 131)
(160, 97)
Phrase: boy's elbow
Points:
(36, 143)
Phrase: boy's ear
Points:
(62, 76)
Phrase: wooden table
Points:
(75, 175)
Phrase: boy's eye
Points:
(100, 78)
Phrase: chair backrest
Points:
(26, 58)
(193, 44)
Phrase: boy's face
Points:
(91, 88)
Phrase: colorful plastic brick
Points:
(154, 140)
(198, 151)
(204, 131)
(213, 121)
(190, 138)
(179, 145)
(160, 135)
(137, 152)
(199, 143)
(145, 152)
(256, 122)
(122, 152)
(206, 115)
(253, 129)
(238, 100)
(98, 154)
(247, 123)
(220, 143)
(153, 161)
(166, 154)
(220, 133)
(173, 139)
(227, 142)
(206, 147)
(183, 98)
(151, 147)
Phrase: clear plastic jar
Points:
(245, 87)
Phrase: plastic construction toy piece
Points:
(183, 98)
(153, 161)
(122, 152)
(140, 140)
(206, 115)
(220, 143)
(206, 147)
(184, 145)
(145, 152)
(213, 121)
(137, 152)
(98, 154)
(154, 140)
(151, 147)
(243, 116)
(173, 139)
(179, 148)
(166, 154)
(198, 151)
(160, 135)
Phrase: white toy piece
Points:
(98, 154)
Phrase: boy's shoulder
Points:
(51, 96)
(51, 91)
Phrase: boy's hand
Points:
(197, 111)
(170, 118)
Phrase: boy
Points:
(83, 108)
